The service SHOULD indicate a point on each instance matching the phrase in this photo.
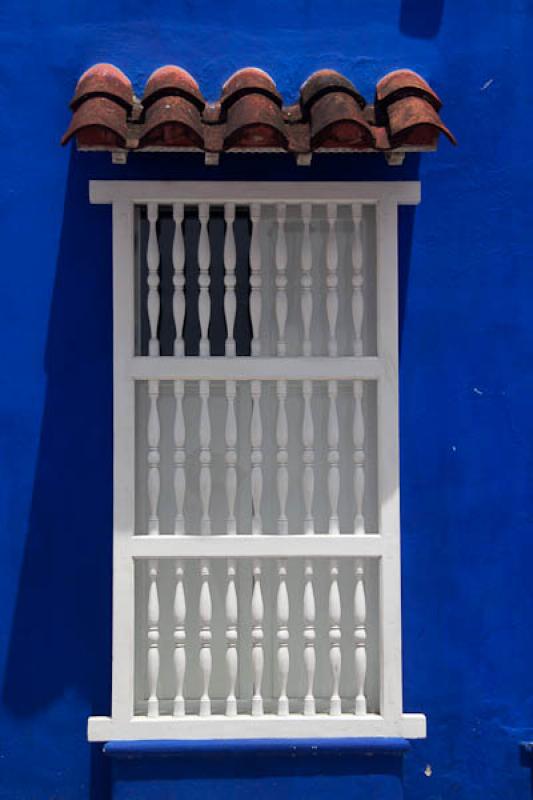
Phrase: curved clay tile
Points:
(98, 122)
(249, 80)
(172, 81)
(172, 122)
(325, 81)
(103, 80)
(413, 121)
(404, 83)
(255, 121)
(337, 121)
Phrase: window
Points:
(256, 498)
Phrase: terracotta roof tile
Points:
(330, 115)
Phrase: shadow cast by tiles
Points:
(421, 20)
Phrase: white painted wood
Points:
(179, 459)
(204, 280)
(306, 280)
(282, 612)
(152, 258)
(206, 659)
(309, 639)
(258, 658)
(153, 661)
(333, 459)
(358, 302)
(281, 278)
(180, 639)
(232, 636)
(334, 609)
(231, 457)
(255, 279)
(332, 295)
(154, 480)
(282, 438)
(178, 262)
(256, 438)
(360, 638)
(205, 458)
(230, 280)
(359, 458)
(308, 478)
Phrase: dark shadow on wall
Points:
(60, 648)
(421, 20)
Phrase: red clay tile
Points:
(255, 121)
(172, 122)
(404, 83)
(248, 81)
(172, 80)
(412, 120)
(98, 122)
(338, 122)
(324, 81)
(103, 80)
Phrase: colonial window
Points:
(256, 497)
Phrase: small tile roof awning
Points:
(330, 115)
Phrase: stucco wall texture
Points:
(466, 362)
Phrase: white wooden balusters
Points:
(204, 280)
(180, 654)
(360, 638)
(334, 608)
(206, 658)
(152, 258)
(232, 636)
(306, 281)
(282, 438)
(332, 295)
(154, 480)
(231, 457)
(308, 478)
(359, 457)
(256, 437)
(205, 458)
(333, 459)
(282, 613)
(309, 639)
(179, 458)
(178, 263)
(258, 658)
(230, 280)
(358, 302)
(255, 279)
(281, 278)
(152, 670)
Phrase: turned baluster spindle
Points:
(205, 458)
(360, 638)
(180, 656)
(256, 437)
(359, 457)
(309, 639)
(332, 296)
(179, 458)
(333, 459)
(178, 262)
(204, 260)
(358, 300)
(334, 609)
(206, 660)
(258, 612)
(308, 477)
(153, 300)
(154, 480)
(153, 640)
(255, 279)
(306, 281)
(231, 457)
(282, 438)
(230, 280)
(232, 658)
(281, 278)
(282, 612)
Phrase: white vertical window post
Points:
(255, 279)
(154, 301)
(205, 457)
(231, 457)
(308, 478)
(206, 658)
(154, 480)
(232, 636)
(178, 261)
(309, 638)
(359, 458)
(204, 280)
(153, 640)
(258, 659)
(180, 640)
(332, 296)
(358, 301)
(282, 437)
(333, 459)
(306, 280)
(282, 608)
(335, 637)
(281, 278)
(257, 458)
(179, 459)
(230, 280)
(360, 638)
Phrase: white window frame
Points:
(386, 197)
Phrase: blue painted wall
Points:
(466, 363)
